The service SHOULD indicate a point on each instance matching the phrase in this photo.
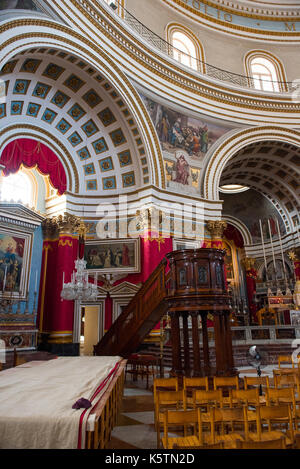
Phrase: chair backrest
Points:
(278, 395)
(167, 399)
(228, 415)
(165, 383)
(207, 398)
(284, 360)
(272, 414)
(219, 445)
(278, 443)
(178, 418)
(226, 381)
(256, 381)
(289, 380)
(244, 396)
(196, 383)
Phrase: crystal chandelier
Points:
(79, 288)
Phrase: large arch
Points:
(235, 142)
(49, 34)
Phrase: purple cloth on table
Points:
(82, 403)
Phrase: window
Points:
(266, 71)
(264, 75)
(18, 188)
(184, 49)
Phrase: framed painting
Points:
(15, 259)
(180, 244)
(113, 256)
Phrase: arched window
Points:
(266, 71)
(185, 47)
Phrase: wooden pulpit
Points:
(197, 287)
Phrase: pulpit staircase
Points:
(138, 318)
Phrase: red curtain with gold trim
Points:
(31, 153)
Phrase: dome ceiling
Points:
(65, 97)
(272, 168)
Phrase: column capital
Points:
(216, 228)
(64, 224)
(249, 263)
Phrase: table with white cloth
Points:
(36, 402)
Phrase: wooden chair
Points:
(276, 396)
(278, 443)
(238, 397)
(179, 419)
(206, 399)
(297, 441)
(226, 383)
(287, 380)
(228, 425)
(275, 417)
(219, 445)
(170, 384)
(250, 381)
(284, 360)
(190, 384)
(166, 400)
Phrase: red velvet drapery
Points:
(233, 234)
(31, 153)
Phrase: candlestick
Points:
(273, 253)
(263, 246)
(282, 256)
(4, 280)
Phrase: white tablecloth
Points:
(36, 401)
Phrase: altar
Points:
(37, 403)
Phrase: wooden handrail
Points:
(138, 318)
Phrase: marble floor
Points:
(135, 425)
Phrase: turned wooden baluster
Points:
(219, 345)
(196, 345)
(205, 343)
(186, 344)
(176, 344)
(228, 343)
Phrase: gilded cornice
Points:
(223, 26)
(187, 82)
(175, 75)
(241, 11)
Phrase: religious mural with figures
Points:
(11, 262)
(250, 207)
(113, 256)
(185, 142)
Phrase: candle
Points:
(273, 254)
(63, 279)
(4, 280)
(36, 276)
(263, 246)
(282, 255)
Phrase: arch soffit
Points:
(74, 43)
(235, 142)
(240, 226)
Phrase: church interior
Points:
(149, 224)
